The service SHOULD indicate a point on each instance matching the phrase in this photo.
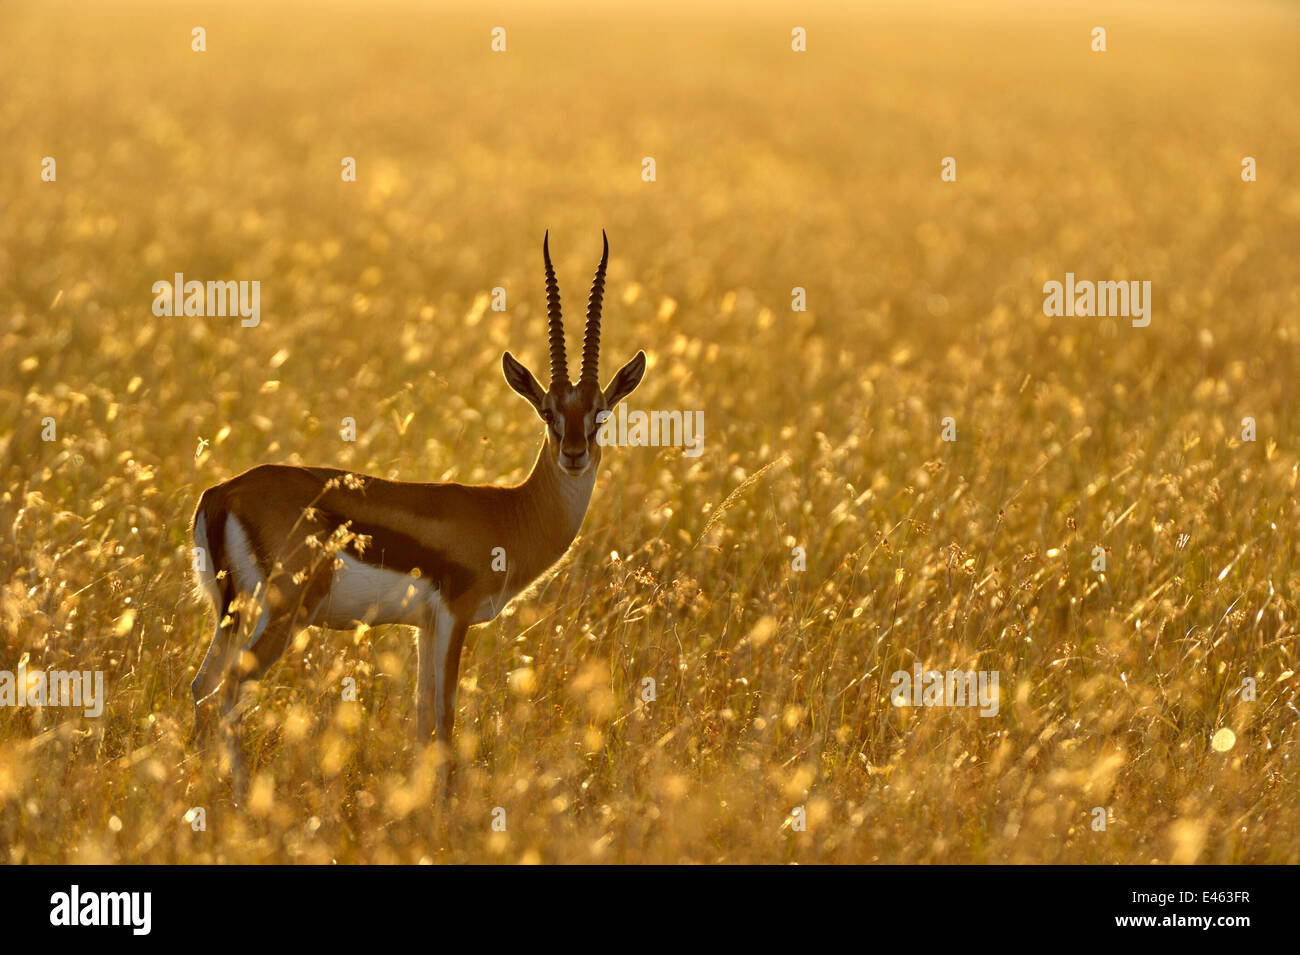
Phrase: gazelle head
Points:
(571, 410)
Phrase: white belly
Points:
(363, 593)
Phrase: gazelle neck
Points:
(557, 500)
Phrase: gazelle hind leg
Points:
(210, 687)
(222, 647)
(216, 662)
(230, 577)
(258, 655)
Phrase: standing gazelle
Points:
(304, 546)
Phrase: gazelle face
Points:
(572, 412)
(571, 427)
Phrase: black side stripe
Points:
(394, 550)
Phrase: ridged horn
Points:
(591, 341)
(559, 364)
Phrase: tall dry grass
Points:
(775, 170)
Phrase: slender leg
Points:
(257, 656)
(430, 638)
(220, 655)
(447, 683)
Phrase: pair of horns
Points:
(591, 341)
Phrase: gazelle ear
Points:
(521, 380)
(625, 380)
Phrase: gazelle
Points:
(318, 546)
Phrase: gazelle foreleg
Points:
(437, 624)
(440, 645)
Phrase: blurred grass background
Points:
(775, 169)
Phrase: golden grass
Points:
(775, 170)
